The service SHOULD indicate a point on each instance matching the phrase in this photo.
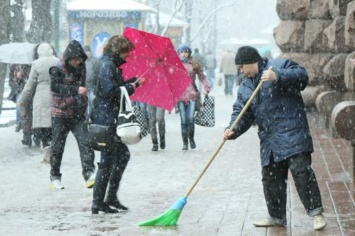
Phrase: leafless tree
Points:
(41, 26)
(177, 7)
(188, 14)
(12, 29)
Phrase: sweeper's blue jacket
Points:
(277, 109)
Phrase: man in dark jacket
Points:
(68, 106)
(285, 139)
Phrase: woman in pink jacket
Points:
(187, 101)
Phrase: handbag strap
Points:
(125, 96)
(194, 85)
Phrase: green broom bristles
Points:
(168, 218)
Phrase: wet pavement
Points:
(228, 198)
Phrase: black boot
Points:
(101, 181)
(36, 140)
(162, 141)
(191, 138)
(155, 145)
(115, 178)
(27, 139)
(184, 141)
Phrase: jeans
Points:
(187, 112)
(275, 185)
(60, 131)
(18, 110)
(211, 76)
(228, 84)
(156, 115)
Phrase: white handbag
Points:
(128, 128)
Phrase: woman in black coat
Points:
(115, 157)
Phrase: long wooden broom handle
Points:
(223, 141)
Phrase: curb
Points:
(7, 124)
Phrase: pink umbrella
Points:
(155, 59)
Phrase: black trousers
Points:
(44, 134)
(60, 131)
(274, 178)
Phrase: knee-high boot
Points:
(155, 144)
(115, 179)
(184, 141)
(162, 141)
(101, 181)
(191, 138)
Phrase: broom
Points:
(171, 216)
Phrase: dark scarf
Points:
(185, 60)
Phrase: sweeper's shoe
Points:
(319, 222)
(269, 222)
(103, 207)
(116, 204)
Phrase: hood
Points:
(74, 49)
(44, 50)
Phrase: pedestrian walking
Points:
(115, 157)
(68, 107)
(92, 65)
(187, 101)
(229, 70)
(37, 90)
(201, 60)
(17, 79)
(210, 65)
(285, 139)
(157, 115)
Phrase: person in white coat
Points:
(38, 87)
(229, 70)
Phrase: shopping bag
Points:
(206, 116)
(142, 121)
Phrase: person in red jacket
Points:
(187, 101)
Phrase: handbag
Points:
(128, 128)
(98, 135)
(206, 116)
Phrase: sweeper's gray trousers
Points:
(275, 185)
